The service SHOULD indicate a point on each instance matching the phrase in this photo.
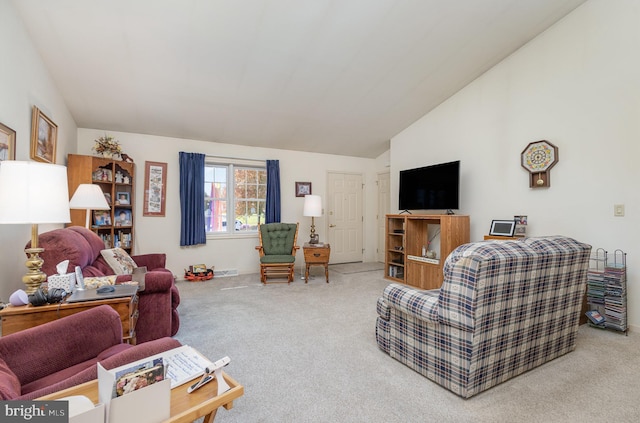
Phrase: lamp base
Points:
(35, 276)
(314, 239)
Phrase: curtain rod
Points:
(235, 158)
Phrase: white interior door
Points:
(384, 206)
(344, 216)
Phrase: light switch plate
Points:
(618, 210)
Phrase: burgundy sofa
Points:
(63, 353)
(158, 302)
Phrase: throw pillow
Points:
(119, 261)
(98, 281)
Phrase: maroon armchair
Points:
(63, 353)
(158, 304)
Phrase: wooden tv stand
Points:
(406, 234)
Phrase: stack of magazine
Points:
(615, 299)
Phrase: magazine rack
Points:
(607, 289)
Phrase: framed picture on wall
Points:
(7, 143)
(44, 136)
(303, 188)
(155, 188)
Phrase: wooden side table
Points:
(15, 319)
(316, 254)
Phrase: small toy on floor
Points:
(198, 273)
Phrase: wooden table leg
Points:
(210, 417)
(306, 274)
(326, 271)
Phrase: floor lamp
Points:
(88, 197)
(33, 193)
(312, 207)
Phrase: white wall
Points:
(24, 83)
(578, 86)
(162, 234)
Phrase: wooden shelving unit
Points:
(115, 178)
(408, 235)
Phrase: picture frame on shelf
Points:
(122, 217)
(101, 218)
(155, 188)
(107, 197)
(44, 137)
(7, 143)
(502, 227)
(303, 188)
(123, 198)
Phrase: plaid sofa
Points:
(504, 307)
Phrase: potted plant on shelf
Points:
(108, 147)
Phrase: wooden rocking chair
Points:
(277, 250)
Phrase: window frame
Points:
(231, 165)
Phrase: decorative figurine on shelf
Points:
(108, 147)
(126, 158)
(119, 177)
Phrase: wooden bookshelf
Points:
(406, 235)
(116, 180)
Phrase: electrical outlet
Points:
(618, 210)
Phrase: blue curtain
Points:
(192, 229)
(272, 212)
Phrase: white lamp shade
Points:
(32, 193)
(312, 206)
(88, 196)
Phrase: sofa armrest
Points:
(154, 282)
(152, 261)
(42, 350)
(157, 282)
(422, 305)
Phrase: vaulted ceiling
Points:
(327, 76)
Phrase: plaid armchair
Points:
(504, 307)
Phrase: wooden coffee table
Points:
(185, 408)
(15, 319)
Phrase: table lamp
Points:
(313, 208)
(33, 193)
(88, 197)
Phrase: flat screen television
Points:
(433, 187)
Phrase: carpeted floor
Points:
(307, 353)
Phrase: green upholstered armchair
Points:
(277, 250)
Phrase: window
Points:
(235, 197)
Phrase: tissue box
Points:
(66, 282)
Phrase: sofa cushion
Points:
(9, 383)
(119, 260)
